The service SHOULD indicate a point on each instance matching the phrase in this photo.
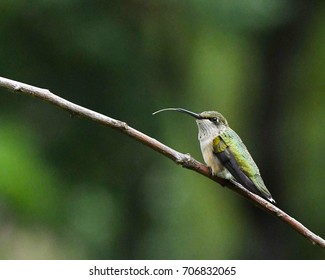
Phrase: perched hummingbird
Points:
(225, 153)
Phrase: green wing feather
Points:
(243, 158)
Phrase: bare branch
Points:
(184, 160)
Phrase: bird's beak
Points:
(195, 115)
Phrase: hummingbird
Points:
(225, 153)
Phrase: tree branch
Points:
(184, 160)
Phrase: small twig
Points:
(184, 160)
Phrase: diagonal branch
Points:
(184, 160)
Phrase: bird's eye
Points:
(215, 120)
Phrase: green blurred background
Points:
(71, 189)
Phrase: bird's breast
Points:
(209, 157)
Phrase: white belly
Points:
(212, 160)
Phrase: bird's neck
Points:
(207, 133)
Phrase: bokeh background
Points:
(71, 189)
